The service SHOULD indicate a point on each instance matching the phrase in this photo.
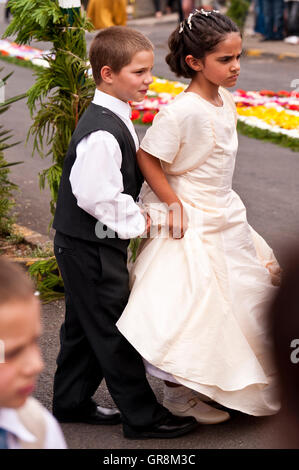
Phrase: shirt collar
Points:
(115, 105)
(9, 420)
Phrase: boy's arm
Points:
(97, 184)
(155, 177)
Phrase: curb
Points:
(278, 56)
(32, 237)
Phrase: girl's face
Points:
(20, 329)
(222, 66)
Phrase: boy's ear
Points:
(106, 74)
(194, 64)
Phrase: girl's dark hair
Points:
(207, 31)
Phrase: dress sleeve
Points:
(162, 140)
(97, 184)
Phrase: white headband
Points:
(189, 20)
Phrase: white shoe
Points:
(202, 397)
(203, 413)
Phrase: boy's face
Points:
(132, 82)
(20, 329)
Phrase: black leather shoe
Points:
(171, 426)
(97, 415)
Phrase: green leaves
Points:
(237, 11)
(42, 20)
(264, 134)
(61, 93)
(7, 188)
(63, 90)
(48, 279)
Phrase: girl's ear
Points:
(106, 74)
(194, 64)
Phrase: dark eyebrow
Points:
(229, 56)
(19, 348)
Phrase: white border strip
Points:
(69, 3)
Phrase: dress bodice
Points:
(202, 170)
(214, 175)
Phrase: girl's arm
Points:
(154, 175)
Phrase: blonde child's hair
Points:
(15, 284)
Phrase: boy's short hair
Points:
(15, 284)
(115, 47)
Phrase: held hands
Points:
(176, 224)
(148, 224)
(177, 221)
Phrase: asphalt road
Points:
(266, 179)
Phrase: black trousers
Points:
(96, 292)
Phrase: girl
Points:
(196, 310)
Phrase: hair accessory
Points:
(207, 12)
(189, 20)
(202, 12)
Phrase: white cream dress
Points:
(197, 309)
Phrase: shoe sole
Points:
(86, 421)
(130, 434)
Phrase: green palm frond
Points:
(7, 188)
(62, 90)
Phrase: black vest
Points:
(69, 218)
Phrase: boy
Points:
(24, 423)
(95, 218)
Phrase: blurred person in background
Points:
(292, 21)
(259, 17)
(7, 12)
(105, 13)
(274, 20)
(189, 5)
(284, 322)
(171, 5)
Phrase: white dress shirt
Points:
(16, 431)
(96, 179)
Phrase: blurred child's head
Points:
(201, 35)
(121, 59)
(284, 324)
(20, 329)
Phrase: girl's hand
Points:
(275, 275)
(148, 224)
(177, 221)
